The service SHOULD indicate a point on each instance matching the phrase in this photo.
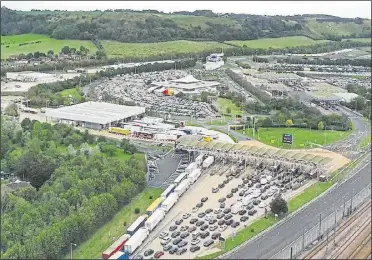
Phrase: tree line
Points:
(77, 186)
(320, 61)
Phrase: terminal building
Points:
(95, 115)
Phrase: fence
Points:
(324, 226)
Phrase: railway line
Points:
(351, 240)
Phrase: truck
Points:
(208, 162)
(168, 191)
(120, 131)
(120, 255)
(156, 204)
(169, 202)
(116, 246)
(182, 187)
(140, 222)
(154, 219)
(194, 175)
(136, 240)
(192, 166)
(236, 207)
(180, 178)
(199, 159)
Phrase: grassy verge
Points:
(99, 241)
(365, 142)
(224, 104)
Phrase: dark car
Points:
(258, 185)
(240, 185)
(208, 243)
(250, 206)
(172, 228)
(250, 184)
(222, 200)
(207, 211)
(234, 190)
(222, 205)
(256, 202)
(204, 234)
(173, 250)
(229, 222)
(226, 211)
(181, 251)
(244, 218)
(221, 222)
(179, 222)
(184, 234)
(194, 248)
(199, 223)
(241, 194)
(193, 220)
(148, 252)
(212, 221)
(215, 190)
(177, 241)
(264, 197)
(235, 224)
(199, 205)
(252, 212)
(228, 216)
(175, 234)
(167, 247)
(229, 195)
(204, 199)
(245, 181)
(219, 216)
(226, 181)
(192, 229)
(182, 244)
(201, 214)
(242, 212)
(204, 227)
(221, 185)
(216, 235)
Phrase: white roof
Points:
(95, 112)
(187, 79)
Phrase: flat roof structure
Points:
(95, 112)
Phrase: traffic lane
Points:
(278, 238)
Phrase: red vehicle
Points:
(116, 246)
(158, 254)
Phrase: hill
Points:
(154, 26)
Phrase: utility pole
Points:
(320, 224)
(71, 244)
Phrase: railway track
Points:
(352, 238)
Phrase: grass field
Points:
(302, 138)
(337, 29)
(46, 44)
(74, 92)
(224, 103)
(121, 49)
(103, 238)
(281, 42)
(365, 142)
(359, 39)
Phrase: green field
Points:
(224, 103)
(281, 42)
(365, 142)
(46, 44)
(302, 138)
(121, 49)
(337, 29)
(359, 39)
(74, 92)
(99, 241)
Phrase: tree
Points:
(50, 52)
(320, 125)
(65, 50)
(289, 123)
(279, 206)
(228, 110)
(11, 110)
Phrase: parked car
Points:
(221, 185)
(175, 234)
(184, 228)
(204, 199)
(199, 223)
(212, 221)
(182, 244)
(173, 250)
(193, 220)
(217, 211)
(229, 222)
(167, 247)
(256, 202)
(208, 243)
(222, 228)
(199, 205)
(185, 234)
(235, 224)
(242, 212)
(194, 248)
(222, 205)
(181, 251)
(234, 190)
(219, 216)
(195, 209)
(244, 218)
(163, 234)
(165, 241)
(177, 241)
(192, 229)
(204, 234)
(228, 216)
(207, 211)
(215, 190)
(212, 228)
(148, 252)
(158, 254)
(226, 211)
(201, 214)
(252, 212)
(222, 200)
(204, 227)
(250, 206)
(195, 241)
(221, 222)
(179, 222)
(186, 215)
(216, 235)
(196, 235)
(229, 195)
(172, 228)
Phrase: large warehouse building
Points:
(95, 115)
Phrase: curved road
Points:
(279, 237)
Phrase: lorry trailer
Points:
(194, 175)
(182, 187)
(208, 162)
(140, 222)
(192, 166)
(156, 204)
(168, 191)
(116, 246)
(120, 255)
(180, 178)
(154, 219)
(169, 202)
(136, 240)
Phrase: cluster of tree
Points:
(44, 92)
(74, 192)
(320, 61)
(149, 28)
(362, 103)
(243, 64)
(260, 59)
(83, 51)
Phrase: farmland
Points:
(120, 49)
(338, 29)
(46, 44)
(281, 42)
(302, 138)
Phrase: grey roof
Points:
(95, 112)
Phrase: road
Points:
(275, 240)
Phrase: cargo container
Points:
(192, 166)
(117, 130)
(208, 162)
(194, 175)
(236, 207)
(116, 246)
(168, 191)
(180, 178)
(182, 187)
(199, 159)
(140, 222)
(169, 202)
(120, 255)
(136, 240)
(156, 204)
(154, 219)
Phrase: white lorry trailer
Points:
(169, 202)
(182, 187)
(194, 175)
(199, 159)
(154, 219)
(136, 240)
(168, 191)
(208, 162)
(192, 166)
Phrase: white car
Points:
(195, 209)
(222, 228)
(163, 234)
(165, 241)
(195, 241)
(186, 215)
(217, 211)
(262, 205)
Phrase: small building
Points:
(95, 115)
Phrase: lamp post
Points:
(71, 244)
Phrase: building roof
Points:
(95, 112)
(187, 79)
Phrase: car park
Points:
(216, 235)
(195, 241)
(194, 248)
(175, 234)
(201, 214)
(165, 241)
(148, 252)
(177, 241)
(213, 228)
(208, 243)
(158, 254)
(183, 243)
(204, 199)
(186, 215)
(181, 251)
(172, 228)
(184, 235)
(193, 220)
(167, 247)
(252, 212)
(179, 222)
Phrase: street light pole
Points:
(71, 244)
